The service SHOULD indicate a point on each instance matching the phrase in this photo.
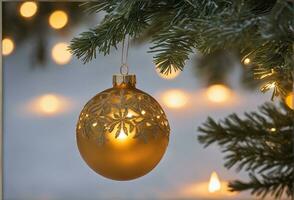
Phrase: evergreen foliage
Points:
(260, 30)
(261, 143)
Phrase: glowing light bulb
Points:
(60, 54)
(49, 104)
(7, 46)
(272, 129)
(214, 183)
(247, 61)
(28, 9)
(173, 74)
(122, 135)
(218, 93)
(58, 19)
(290, 100)
(174, 98)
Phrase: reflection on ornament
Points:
(247, 61)
(7, 46)
(218, 93)
(174, 98)
(58, 19)
(60, 54)
(122, 132)
(214, 183)
(290, 100)
(173, 74)
(28, 9)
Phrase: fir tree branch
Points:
(260, 30)
(261, 144)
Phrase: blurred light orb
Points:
(168, 76)
(49, 104)
(175, 98)
(28, 9)
(214, 184)
(7, 46)
(289, 100)
(58, 19)
(247, 61)
(218, 93)
(60, 54)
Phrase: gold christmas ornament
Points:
(122, 132)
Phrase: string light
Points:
(247, 61)
(7, 46)
(58, 19)
(173, 74)
(218, 93)
(28, 9)
(60, 54)
(174, 98)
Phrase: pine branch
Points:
(260, 30)
(261, 144)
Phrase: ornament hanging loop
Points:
(124, 68)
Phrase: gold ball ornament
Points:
(122, 132)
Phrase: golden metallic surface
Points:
(122, 132)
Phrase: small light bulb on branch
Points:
(247, 61)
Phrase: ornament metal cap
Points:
(121, 80)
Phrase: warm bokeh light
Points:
(247, 61)
(58, 19)
(60, 53)
(214, 183)
(49, 104)
(28, 9)
(7, 46)
(174, 98)
(169, 76)
(212, 189)
(218, 93)
(289, 100)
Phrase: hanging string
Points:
(124, 68)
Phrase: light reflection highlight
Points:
(289, 100)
